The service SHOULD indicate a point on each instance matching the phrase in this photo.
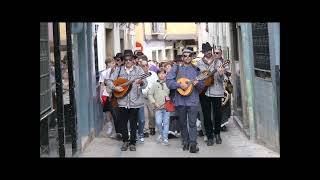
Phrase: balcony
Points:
(158, 29)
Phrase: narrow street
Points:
(234, 144)
(171, 73)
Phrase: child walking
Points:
(157, 95)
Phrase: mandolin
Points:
(189, 82)
(126, 84)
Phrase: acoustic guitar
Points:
(210, 80)
(126, 85)
(189, 82)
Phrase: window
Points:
(168, 54)
(261, 54)
(159, 55)
(154, 55)
(158, 27)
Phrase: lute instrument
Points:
(126, 84)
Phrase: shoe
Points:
(185, 147)
(132, 147)
(125, 146)
(224, 128)
(218, 139)
(145, 134)
(194, 149)
(152, 131)
(141, 139)
(118, 136)
(109, 127)
(205, 138)
(210, 142)
(159, 139)
(201, 133)
(178, 135)
(165, 142)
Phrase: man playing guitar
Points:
(132, 100)
(211, 100)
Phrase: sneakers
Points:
(210, 142)
(194, 149)
(132, 147)
(165, 142)
(109, 128)
(185, 147)
(159, 139)
(152, 131)
(141, 139)
(205, 138)
(125, 146)
(218, 139)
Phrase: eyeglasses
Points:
(128, 59)
(118, 59)
(208, 55)
(216, 52)
(190, 55)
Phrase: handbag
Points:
(169, 106)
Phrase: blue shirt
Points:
(189, 72)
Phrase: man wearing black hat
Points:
(130, 103)
(211, 100)
(119, 59)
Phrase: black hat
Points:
(127, 52)
(118, 55)
(137, 53)
(206, 47)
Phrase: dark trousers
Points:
(188, 117)
(211, 104)
(115, 115)
(130, 115)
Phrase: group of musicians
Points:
(187, 106)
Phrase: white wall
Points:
(149, 46)
(101, 43)
(116, 35)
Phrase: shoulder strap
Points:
(119, 72)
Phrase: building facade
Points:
(163, 41)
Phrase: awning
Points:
(180, 37)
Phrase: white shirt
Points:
(151, 80)
(103, 76)
(128, 70)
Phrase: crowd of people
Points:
(148, 89)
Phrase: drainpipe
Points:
(73, 118)
(57, 61)
(248, 75)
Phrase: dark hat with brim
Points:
(206, 47)
(118, 55)
(127, 52)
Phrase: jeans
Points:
(188, 116)
(141, 121)
(162, 117)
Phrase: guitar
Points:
(126, 85)
(188, 82)
(210, 80)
